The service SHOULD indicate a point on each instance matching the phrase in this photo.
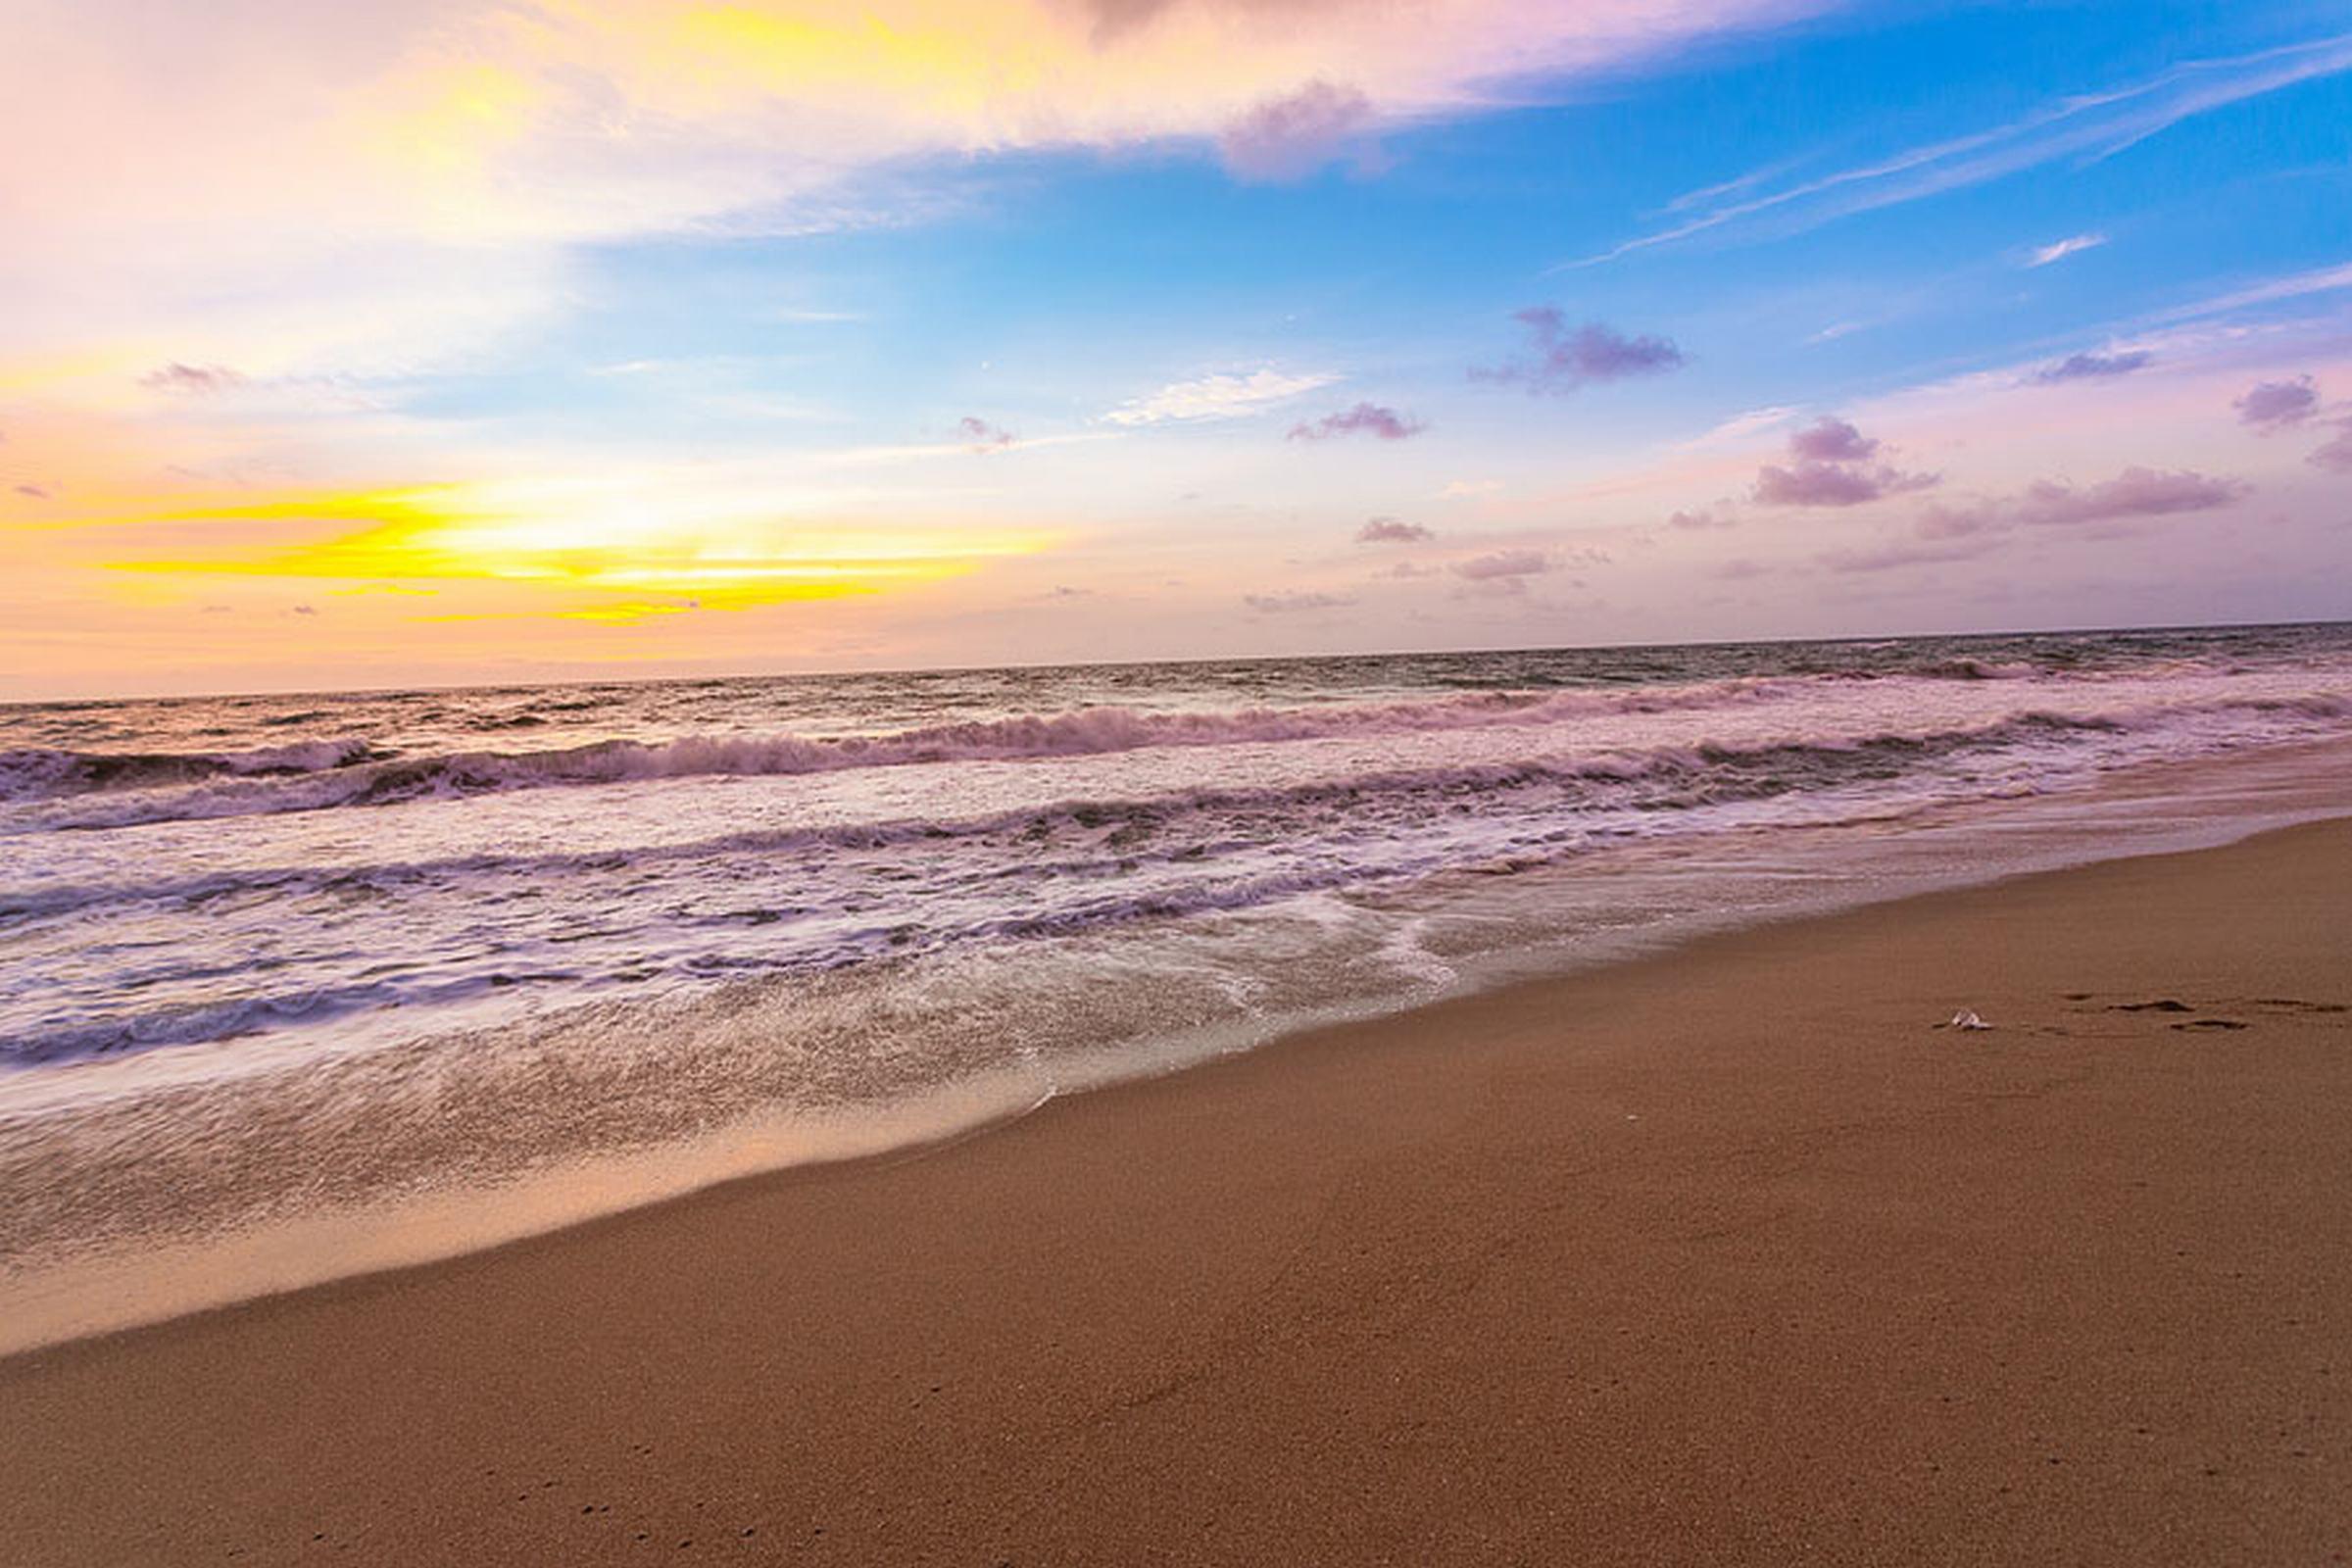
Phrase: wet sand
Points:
(1726, 1256)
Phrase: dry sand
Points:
(1721, 1257)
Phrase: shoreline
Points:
(174, 1279)
(1246, 1273)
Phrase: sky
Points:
(407, 342)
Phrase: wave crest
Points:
(322, 774)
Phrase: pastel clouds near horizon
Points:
(452, 340)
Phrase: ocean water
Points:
(272, 965)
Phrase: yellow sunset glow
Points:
(934, 64)
(571, 537)
(459, 110)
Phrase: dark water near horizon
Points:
(263, 957)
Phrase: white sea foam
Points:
(327, 774)
(244, 935)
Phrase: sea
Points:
(297, 986)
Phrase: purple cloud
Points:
(195, 380)
(2133, 493)
(1565, 361)
(1739, 569)
(1701, 519)
(1891, 556)
(1829, 473)
(1391, 531)
(2275, 405)
(1831, 440)
(1368, 418)
(32, 490)
(2336, 455)
(2091, 367)
(1291, 137)
(1284, 604)
(1959, 522)
(1832, 484)
(1502, 563)
(982, 437)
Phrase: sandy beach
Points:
(1724, 1257)
(1144, 783)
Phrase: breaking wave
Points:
(274, 779)
(54, 787)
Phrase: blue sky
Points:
(781, 363)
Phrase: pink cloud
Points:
(1952, 532)
(1391, 531)
(1563, 361)
(982, 437)
(1502, 563)
(1958, 522)
(1292, 136)
(1832, 484)
(2134, 493)
(1293, 603)
(197, 380)
(1891, 556)
(2336, 455)
(1368, 418)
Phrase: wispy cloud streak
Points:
(1216, 397)
(2092, 126)
(2060, 249)
(2293, 286)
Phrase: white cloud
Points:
(1216, 397)
(2060, 249)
